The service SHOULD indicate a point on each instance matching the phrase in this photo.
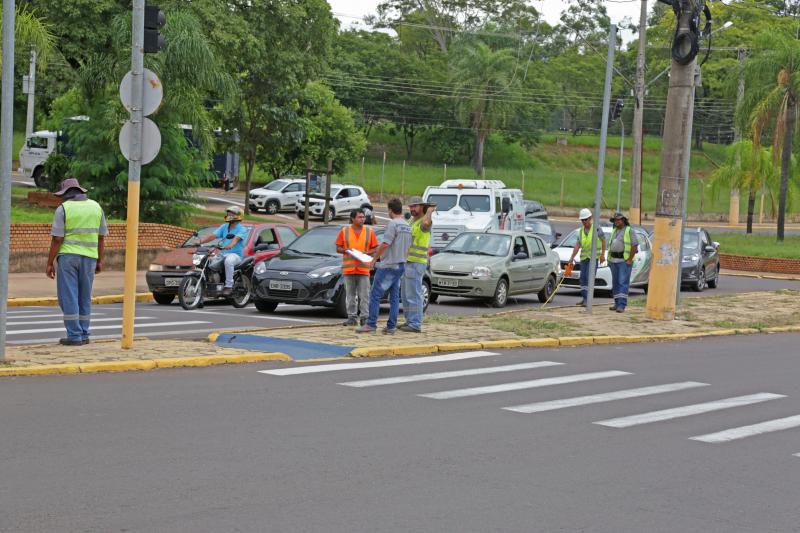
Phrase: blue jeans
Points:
(585, 279)
(620, 282)
(74, 278)
(386, 279)
(413, 306)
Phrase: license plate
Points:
(447, 283)
(276, 285)
(172, 282)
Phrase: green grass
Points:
(528, 328)
(758, 244)
(19, 140)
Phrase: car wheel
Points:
(426, 295)
(433, 298)
(39, 178)
(645, 288)
(301, 215)
(700, 284)
(265, 306)
(163, 299)
(548, 289)
(272, 207)
(190, 293)
(331, 213)
(714, 283)
(341, 305)
(500, 298)
(242, 290)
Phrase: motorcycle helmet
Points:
(233, 213)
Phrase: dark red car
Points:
(167, 269)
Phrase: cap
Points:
(416, 200)
(67, 184)
(617, 216)
(584, 214)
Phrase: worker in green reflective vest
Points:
(416, 264)
(76, 255)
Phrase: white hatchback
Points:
(344, 198)
(279, 195)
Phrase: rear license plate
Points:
(447, 283)
(280, 285)
(172, 282)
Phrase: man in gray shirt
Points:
(392, 253)
(621, 251)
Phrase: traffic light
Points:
(154, 20)
(618, 105)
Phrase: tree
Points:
(772, 82)
(32, 32)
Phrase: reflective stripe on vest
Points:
(82, 219)
(626, 239)
(586, 242)
(420, 242)
(351, 265)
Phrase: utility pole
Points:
(638, 121)
(6, 140)
(733, 210)
(31, 92)
(661, 298)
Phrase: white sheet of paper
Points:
(361, 256)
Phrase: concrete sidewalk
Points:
(38, 285)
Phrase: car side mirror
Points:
(506, 205)
(554, 245)
(558, 235)
(710, 249)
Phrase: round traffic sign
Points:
(152, 92)
(151, 140)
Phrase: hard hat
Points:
(233, 213)
(584, 214)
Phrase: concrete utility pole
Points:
(31, 94)
(601, 163)
(6, 140)
(661, 298)
(638, 122)
(733, 210)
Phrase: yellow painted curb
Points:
(175, 362)
(540, 343)
(212, 337)
(372, 351)
(747, 331)
(782, 329)
(49, 301)
(40, 370)
(459, 346)
(504, 343)
(416, 349)
(257, 357)
(721, 332)
(575, 341)
(613, 339)
(116, 366)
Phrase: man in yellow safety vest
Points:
(621, 251)
(416, 264)
(584, 245)
(76, 247)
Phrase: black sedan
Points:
(542, 229)
(700, 262)
(535, 209)
(307, 272)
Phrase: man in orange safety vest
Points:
(361, 238)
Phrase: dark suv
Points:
(700, 261)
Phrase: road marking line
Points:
(267, 317)
(520, 385)
(601, 398)
(26, 317)
(748, 431)
(374, 364)
(154, 325)
(688, 410)
(39, 310)
(797, 455)
(449, 374)
(28, 323)
(204, 332)
(222, 200)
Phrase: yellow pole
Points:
(131, 259)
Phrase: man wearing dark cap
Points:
(621, 250)
(416, 264)
(79, 227)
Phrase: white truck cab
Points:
(34, 153)
(473, 205)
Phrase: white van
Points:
(473, 205)
(34, 153)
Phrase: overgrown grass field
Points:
(758, 244)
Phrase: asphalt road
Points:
(34, 325)
(233, 449)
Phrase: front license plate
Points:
(172, 282)
(448, 283)
(280, 285)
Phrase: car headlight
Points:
(324, 272)
(260, 268)
(690, 258)
(156, 268)
(197, 259)
(481, 272)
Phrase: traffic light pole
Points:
(134, 175)
(6, 139)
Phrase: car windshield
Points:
(479, 204)
(531, 206)
(200, 234)
(318, 241)
(570, 240)
(444, 202)
(690, 241)
(538, 226)
(276, 185)
(480, 244)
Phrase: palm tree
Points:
(481, 78)
(32, 32)
(772, 78)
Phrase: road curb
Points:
(49, 301)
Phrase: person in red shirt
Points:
(359, 237)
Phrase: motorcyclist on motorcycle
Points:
(231, 237)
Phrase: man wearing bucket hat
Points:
(621, 250)
(584, 245)
(76, 255)
(416, 264)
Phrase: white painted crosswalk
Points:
(769, 426)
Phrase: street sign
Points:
(26, 85)
(151, 140)
(152, 92)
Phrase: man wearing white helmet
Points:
(231, 236)
(584, 245)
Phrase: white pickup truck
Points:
(34, 153)
(473, 205)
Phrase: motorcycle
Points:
(208, 280)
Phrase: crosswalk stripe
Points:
(26, 317)
(372, 364)
(114, 319)
(265, 317)
(748, 431)
(688, 410)
(449, 374)
(601, 398)
(112, 336)
(797, 455)
(520, 385)
(138, 326)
